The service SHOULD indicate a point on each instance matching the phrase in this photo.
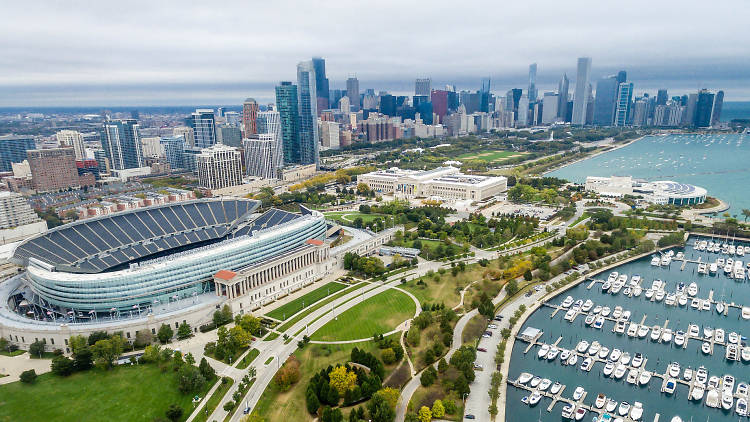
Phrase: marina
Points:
(692, 360)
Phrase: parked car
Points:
(481, 349)
(470, 416)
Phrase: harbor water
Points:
(658, 354)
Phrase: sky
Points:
(83, 53)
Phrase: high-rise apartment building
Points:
(321, 83)
(622, 108)
(329, 134)
(204, 127)
(269, 123)
(605, 101)
(249, 114)
(17, 219)
(532, 83)
(563, 91)
(580, 100)
(422, 86)
(219, 166)
(308, 113)
(13, 150)
(72, 138)
(259, 156)
(704, 108)
(174, 148)
(718, 104)
(662, 97)
(522, 118)
(53, 169)
(122, 144)
(549, 107)
(439, 100)
(345, 105)
(288, 108)
(186, 133)
(352, 91)
(229, 135)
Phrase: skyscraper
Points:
(523, 111)
(249, 114)
(624, 97)
(580, 100)
(352, 91)
(622, 76)
(604, 103)
(662, 97)
(174, 148)
(532, 83)
(72, 138)
(204, 127)
(259, 156)
(321, 83)
(308, 113)
(219, 166)
(549, 109)
(122, 144)
(288, 107)
(704, 108)
(269, 123)
(422, 86)
(718, 104)
(53, 169)
(484, 96)
(562, 98)
(13, 150)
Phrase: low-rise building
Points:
(662, 192)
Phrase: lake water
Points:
(719, 163)
(659, 355)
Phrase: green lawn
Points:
(126, 393)
(214, 400)
(291, 308)
(490, 156)
(378, 314)
(285, 326)
(248, 359)
(349, 216)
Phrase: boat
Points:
(643, 331)
(665, 261)
(733, 337)
(524, 377)
(657, 285)
(635, 280)
(594, 349)
(625, 359)
(727, 401)
(745, 354)
(626, 316)
(701, 375)
(679, 338)
(713, 382)
(719, 335)
(746, 312)
(694, 330)
(698, 392)
(620, 371)
(534, 398)
(712, 398)
(553, 352)
(597, 309)
(542, 353)
(649, 293)
(567, 302)
(706, 347)
(605, 311)
(659, 295)
(603, 352)
(616, 287)
(610, 406)
(615, 355)
(682, 300)
(742, 389)
(727, 383)
(637, 290)
(620, 327)
(580, 413)
(655, 333)
(546, 382)
(568, 411)
(600, 401)
(564, 355)
(637, 411)
(692, 289)
(708, 332)
(578, 393)
(599, 322)
(674, 369)
(706, 305)
(555, 388)
(655, 261)
(713, 268)
(535, 381)
(632, 329)
(613, 276)
(669, 386)
(671, 299)
(606, 286)
(627, 291)
(582, 346)
(720, 307)
(637, 360)
(624, 409)
(570, 315)
(573, 359)
(688, 374)
(587, 364)
(741, 407)
(587, 305)
(666, 335)
(609, 367)
(695, 303)
(732, 352)
(632, 376)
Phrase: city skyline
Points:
(150, 58)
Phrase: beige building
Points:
(17, 219)
(219, 166)
(72, 138)
(446, 183)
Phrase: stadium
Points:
(136, 260)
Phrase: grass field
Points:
(291, 308)
(126, 393)
(378, 314)
(349, 216)
(248, 359)
(275, 405)
(490, 156)
(285, 326)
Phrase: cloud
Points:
(171, 44)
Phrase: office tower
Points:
(439, 99)
(308, 113)
(369, 102)
(53, 169)
(249, 114)
(352, 91)
(232, 118)
(230, 135)
(287, 105)
(532, 83)
(174, 148)
(122, 144)
(321, 83)
(329, 134)
(692, 103)
(388, 105)
(345, 105)
(580, 100)
(718, 104)
(622, 76)
(269, 123)
(151, 147)
(622, 108)
(13, 150)
(204, 127)
(549, 109)
(72, 138)
(102, 161)
(186, 133)
(562, 98)
(661, 97)
(219, 166)
(704, 108)
(425, 112)
(522, 118)
(640, 112)
(15, 211)
(605, 101)
(259, 156)
(422, 86)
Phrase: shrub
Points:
(174, 413)
(28, 377)
(62, 366)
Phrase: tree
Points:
(380, 409)
(106, 351)
(527, 275)
(36, 349)
(311, 401)
(438, 411)
(249, 323)
(342, 379)
(745, 213)
(388, 356)
(206, 370)
(174, 412)
(190, 379)
(165, 333)
(83, 359)
(62, 366)
(390, 395)
(511, 287)
(289, 373)
(96, 336)
(143, 338)
(425, 414)
(77, 343)
(183, 331)
(428, 377)
(28, 377)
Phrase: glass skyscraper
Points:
(704, 108)
(604, 104)
(288, 108)
(204, 127)
(174, 148)
(122, 144)
(308, 113)
(580, 101)
(321, 82)
(624, 98)
(13, 150)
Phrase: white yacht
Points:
(741, 407)
(701, 375)
(713, 268)
(535, 381)
(637, 360)
(669, 386)
(727, 401)
(568, 411)
(733, 337)
(610, 406)
(719, 335)
(655, 333)
(682, 300)
(620, 371)
(599, 322)
(620, 327)
(624, 409)
(632, 377)
(524, 377)
(578, 393)
(567, 302)
(746, 312)
(613, 276)
(702, 268)
(727, 383)
(706, 305)
(603, 352)
(606, 311)
(659, 295)
(597, 309)
(720, 307)
(643, 331)
(606, 286)
(632, 329)
(637, 290)
(615, 355)
(544, 384)
(564, 356)
(590, 319)
(698, 392)
(692, 289)
(671, 299)
(655, 261)
(570, 315)
(694, 330)
(594, 349)
(587, 364)
(553, 352)
(695, 303)
(587, 305)
(556, 387)
(708, 332)
(582, 346)
(534, 398)
(625, 359)
(617, 313)
(600, 401)
(745, 354)
(674, 369)
(679, 338)
(687, 375)
(542, 353)
(637, 411)
(573, 359)
(706, 348)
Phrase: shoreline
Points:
(596, 154)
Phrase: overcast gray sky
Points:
(169, 52)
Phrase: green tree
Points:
(183, 331)
(165, 333)
(745, 213)
(28, 377)
(388, 356)
(174, 412)
(83, 359)
(206, 370)
(190, 379)
(425, 414)
(62, 366)
(438, 411)
(36, 349)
